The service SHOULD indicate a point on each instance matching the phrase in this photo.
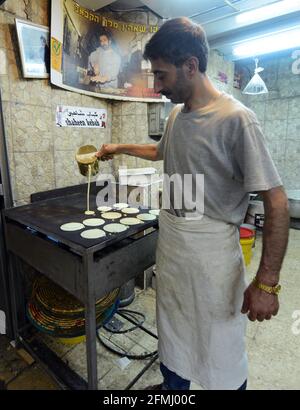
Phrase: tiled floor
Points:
(273, 348)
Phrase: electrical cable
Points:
(129, 315)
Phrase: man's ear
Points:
(192, 66)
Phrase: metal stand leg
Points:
(90, 328)
(14, 292)
(91, 351)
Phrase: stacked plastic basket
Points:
(54, 311)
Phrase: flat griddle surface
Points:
(47, 216)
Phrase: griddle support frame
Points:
(88, 277)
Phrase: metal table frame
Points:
(86, 275)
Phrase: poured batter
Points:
(88, 212)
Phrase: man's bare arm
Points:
(275, 235)
(144, 151)
(258, 304)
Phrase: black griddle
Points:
(87, 269)
(46, 216)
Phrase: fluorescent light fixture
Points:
(268, 44)
(267, 12)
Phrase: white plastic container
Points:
(294, 203)
(142, 186)
(138, 176)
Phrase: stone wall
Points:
(41, 155)
(221, 73)
(130, 123)
(279, 112)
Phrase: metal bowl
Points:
(85, 158)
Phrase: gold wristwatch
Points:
(273, 290)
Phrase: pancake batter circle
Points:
(93, 234)
(115, 228)
(104, 208)
(154, 212)
(120, 205)
(89, 213)
(130, 221)
(93, 222)
(130, 210)
(111, 215)
(146, 217)
(72, 227)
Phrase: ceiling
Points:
(220, 18)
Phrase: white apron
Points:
(200, 285)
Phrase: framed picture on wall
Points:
(34, 49)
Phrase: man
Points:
(202, 296)
(104, 63)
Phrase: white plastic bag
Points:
(256, 85)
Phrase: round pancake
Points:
(130, 221)
(111, 215)
(93, 222)
(72, 227)
(89, 212)
(154, 212)
(130, 210)
(120, 205)
(115, 228)
(146, 217)
(93, 234)
(104, 208)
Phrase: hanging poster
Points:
(82, 117)
(95, 54)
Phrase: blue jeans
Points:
(174, 382)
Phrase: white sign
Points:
(67, 116)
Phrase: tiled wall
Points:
(130, 126)
(130, 119)
(279, 114)
(219, 68)
(41, 155)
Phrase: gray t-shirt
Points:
(224, 142)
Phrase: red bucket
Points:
(246, 233)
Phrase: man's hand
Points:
(107, 151)
(259, 304)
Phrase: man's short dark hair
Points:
(176, 41)
(106, 33)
